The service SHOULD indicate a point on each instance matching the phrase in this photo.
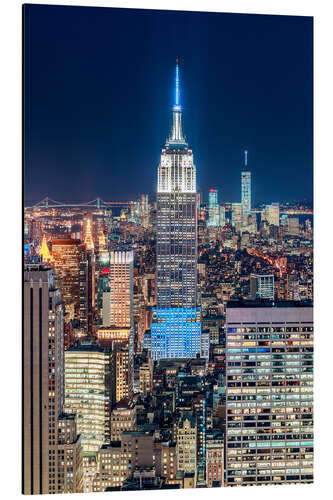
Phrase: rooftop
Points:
(257, 303)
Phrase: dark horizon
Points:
(98, 101)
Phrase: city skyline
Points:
(167, 341)
(233, 101)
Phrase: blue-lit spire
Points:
(176, 136)
(177, 89)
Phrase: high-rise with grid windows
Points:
(269, 393)
(176, 327)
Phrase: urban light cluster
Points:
(168, 343)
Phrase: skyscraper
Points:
(272, 214)
(44, 446)
(237, 216)
(121, 289)
(88, 393)
(221, 216)
(118, 317)
(269, 394)
(86, 288)
(213, 208)
(176, 327)
(144, 210)
(66, 265)
(246, 188)
(293, 226)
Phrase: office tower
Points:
(122, 372)
(221, 216)
(293, 226)
(123, 418)
(284, 220)
(272, 214)
(186, 448)
(214, 460)
(246, 187)
(43, 389)
(119, 340)
(269, 393)
(308, 228)
(35, 231)
(251, 223)
(86, 288)
(213, 208)
(262, 286)
(135, 210)
(144, 210)
(65, 255)
(237, 216)
(176, 327)
(88, 393)
(118, 317)
(102, 242)
(120, 307)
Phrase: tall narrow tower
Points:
(246, 187)
(176, 327)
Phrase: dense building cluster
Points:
(168, 343)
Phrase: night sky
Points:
(99, 95)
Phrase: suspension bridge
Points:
(98, 204)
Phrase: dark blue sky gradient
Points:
(99, 93)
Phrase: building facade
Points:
(187, 445)
(262, 286)
(214, 461)
(269, 393)
(66, 265)
(121, 290)
(88, 393)
(237, 216)
(123, 418)
(43, 391)
(272, 214)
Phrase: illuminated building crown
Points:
(88, 239)
(176, 137)
(44, 251)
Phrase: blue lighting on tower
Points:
(177, 89)
(176, 333)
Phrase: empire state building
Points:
(176, 326)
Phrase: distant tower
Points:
(102, 243)
(246, 187)
(213, 208)
(88, 239)
(44, 251)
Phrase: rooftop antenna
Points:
(245, 157)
